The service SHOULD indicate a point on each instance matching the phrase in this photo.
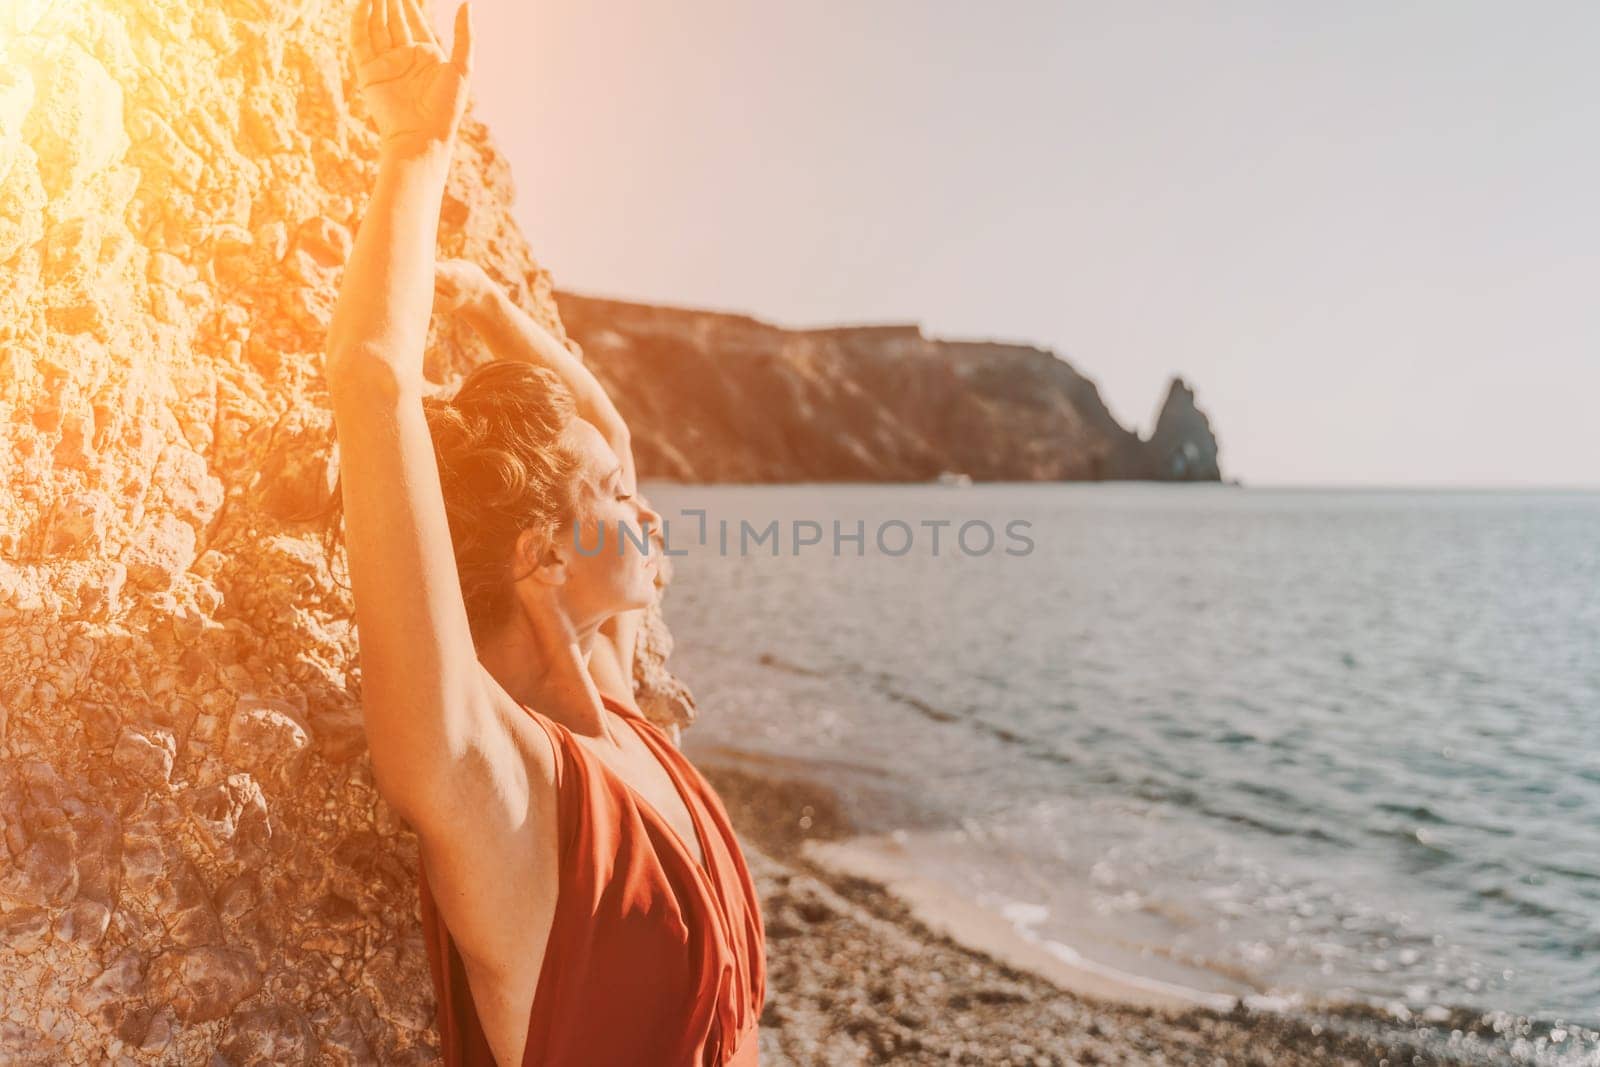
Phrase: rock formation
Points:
(194, 865)
(1182, 443)
(715, 397)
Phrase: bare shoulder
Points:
(490, 850)
(509, 765)
(530, 746)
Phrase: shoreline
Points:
(868, 963)
(963, 920)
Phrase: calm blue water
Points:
(1316, 745)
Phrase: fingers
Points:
(360, 38)
(461, 46)
(399, 32)
(417, 24)
(377, 26)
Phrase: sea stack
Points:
(1182, 446)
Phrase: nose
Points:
(650, 520)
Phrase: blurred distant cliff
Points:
(713, 397)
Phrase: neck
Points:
(545, 666)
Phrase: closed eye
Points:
(615, 478)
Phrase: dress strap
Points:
(555, 745)
(559, 746)
(617, 705)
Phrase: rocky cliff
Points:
(715, 397)
(194, 865)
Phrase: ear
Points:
(541, 557)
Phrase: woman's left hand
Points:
(416, 95)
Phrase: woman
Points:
(461, 288)
(583, 896)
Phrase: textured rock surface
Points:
(715, 397)
(193, 860)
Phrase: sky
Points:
(1366, 233)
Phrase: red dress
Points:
(652, 959)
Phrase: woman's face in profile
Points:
(612, 546)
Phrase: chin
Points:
(635, 600)
(649, 594)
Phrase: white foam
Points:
(1023, 915)
(1222, 1002)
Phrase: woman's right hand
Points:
(460, 285)
(415, 94)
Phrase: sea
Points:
(1307, 747)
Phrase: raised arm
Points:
(424, 698)
(463, 288)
